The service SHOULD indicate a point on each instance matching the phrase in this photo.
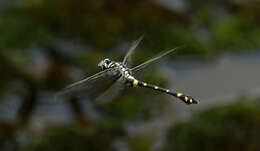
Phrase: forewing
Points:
(130, 51)
(159, 56)
(90, 87)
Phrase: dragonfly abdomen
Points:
(186, 99)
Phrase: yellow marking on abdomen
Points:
(179, 95)
(135, 82)
(186, 98)
(167, 90)
(156, 87)
(144, 84)
(190, 100)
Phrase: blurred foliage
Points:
(231, 33)
(229, 127)
(142, 143)
(72, 138)
(20, 33)
(103, 25)
(225, 127)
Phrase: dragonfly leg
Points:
(186, 99)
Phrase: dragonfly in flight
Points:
(115, 76)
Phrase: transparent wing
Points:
(92, 86)
(145, 64)
(131, 50)
(113, 92)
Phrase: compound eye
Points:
(107, 61)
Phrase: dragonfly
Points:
(114, 77)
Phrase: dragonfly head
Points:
(104, 64)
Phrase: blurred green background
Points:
(47, 44)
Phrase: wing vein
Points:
(132, 48)
(143, 65)
(82, 82)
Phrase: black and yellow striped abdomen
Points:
(186, 99)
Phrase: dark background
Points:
(47, 44)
